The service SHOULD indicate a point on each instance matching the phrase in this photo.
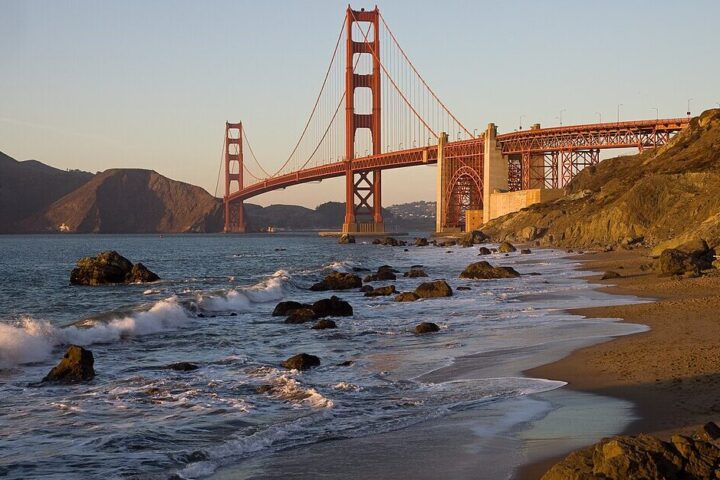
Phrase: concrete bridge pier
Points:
(495, 169)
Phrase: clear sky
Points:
(149, 83)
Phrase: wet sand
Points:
(671, 373)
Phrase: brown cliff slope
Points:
(666, 196)
(131, 200)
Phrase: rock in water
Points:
(346, 239)
(483, 270)
(338, 281)
(332, 307)
(284, 308)
(301, 361)
(437, 288)
(182, 366)
(407, 297)
(484, 251)
(506, 247)
(609, 275)
(141, 274)
(474, 237)
(301, 315)
(381, 291)
(324, 324)
(421, 242)
(109, 267)
(525, 251)
(415, 273)
(426, 327)
(385, 272)
(76, 366)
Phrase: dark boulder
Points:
(525, 251)
(338, 281)
(76, 366)
(484, 251)
(483, 270)
(693, 256)
(324, 324)
(284, 308)
(437, 288)
(421, 242)
(346, 239)
(475, 237)
(301, 361)
(332, 307)
(109, 267)
(301, 315)
(383, 273)
(182, 366)
(381, 291)
(366, 288)
(609, 275)
(415, 273)
(407, 297)
(464, 288)
(426, 327)
(506, 247)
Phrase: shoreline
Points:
(670, 373)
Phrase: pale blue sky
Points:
(99, 84)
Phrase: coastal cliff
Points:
(660, 198)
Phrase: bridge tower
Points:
(363, 195)
(235, 210)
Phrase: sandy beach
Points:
(671, 373)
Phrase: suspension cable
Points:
(422, 79)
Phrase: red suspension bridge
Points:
(394, 119)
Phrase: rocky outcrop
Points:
(301, 361)
(332, 307)
(693, 256)
(389, 242)
(437, 288)
(421, 242)
(644, 457)
(475, 237)
(660, 198)
(483, 270)
(384, 273)
(381, 291)
(407, 297)
(77, 365)
(426, 327)
(324, 324)
(506, 247)
(109, 267)
(415, 273)
(346, 239)
(338, 281)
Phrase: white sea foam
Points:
(32, 340)
(242, 299)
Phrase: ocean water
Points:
(212, 307)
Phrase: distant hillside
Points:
(37, 198)
(29, 187)
(665, 196)
(131, 201)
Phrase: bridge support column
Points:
(363, 198)
(495, 170)
(234, 209)
(533, 170)
(442, 178)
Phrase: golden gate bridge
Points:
(393, 119)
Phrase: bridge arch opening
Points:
(464, 192)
